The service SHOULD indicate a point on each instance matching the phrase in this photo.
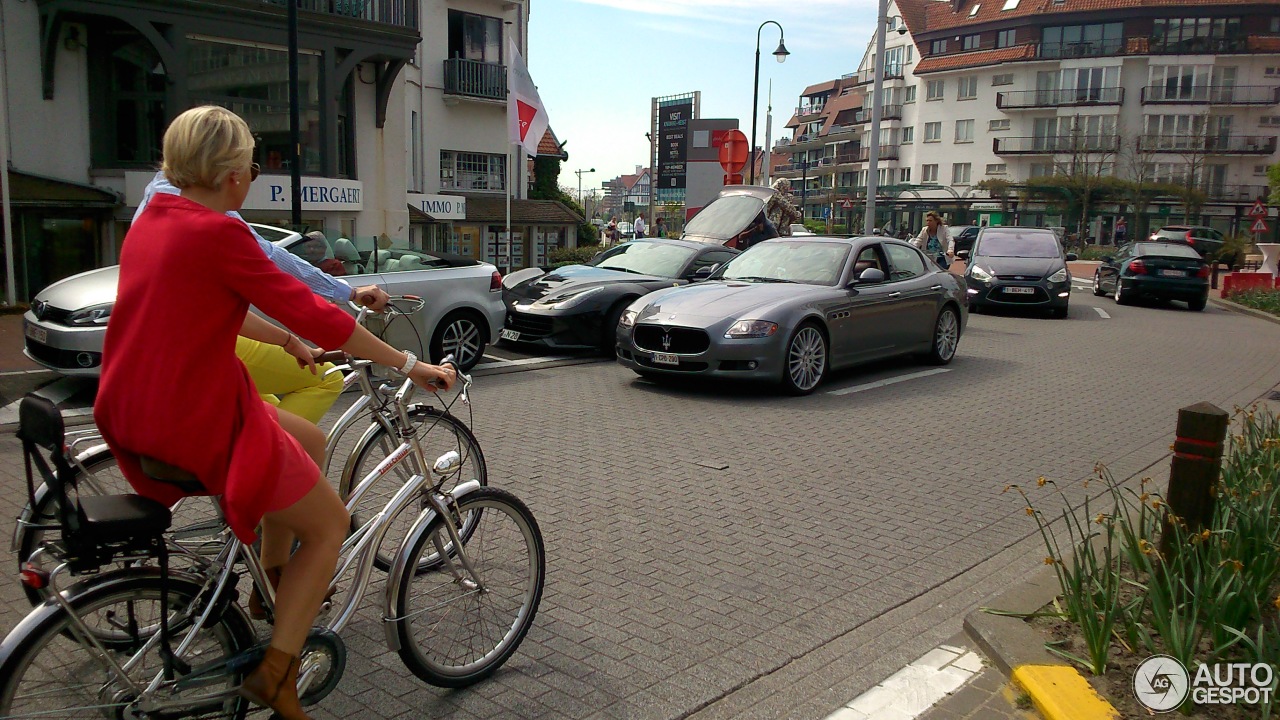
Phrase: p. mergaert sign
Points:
(272, 192)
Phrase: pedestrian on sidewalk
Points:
(1121, 233)
(639, 226)
(935, 240)
(659, 229)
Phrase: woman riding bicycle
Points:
(173, 391)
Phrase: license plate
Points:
(38, 334)
(665, 359)
(511, 335)
(1173, 273)
(1020, 290)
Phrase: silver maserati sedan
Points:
(790, 310)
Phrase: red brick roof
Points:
(820, 88)
(938, 63)
(549, 146)
(943, 15)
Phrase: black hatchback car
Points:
(1158, 270)
(1018, 267)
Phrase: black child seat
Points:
(94, 527)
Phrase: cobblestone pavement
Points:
(844, 536)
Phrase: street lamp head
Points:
(592, 170)
(781, 53)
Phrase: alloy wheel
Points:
(462, 339)
(807, 359)
(947, 336)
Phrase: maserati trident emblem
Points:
(666, 341)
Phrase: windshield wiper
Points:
(757, 278)
(620, 269)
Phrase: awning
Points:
(492, 210)
(27, 190)
(417, 216)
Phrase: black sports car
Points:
(578, 306)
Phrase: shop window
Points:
(472, 171)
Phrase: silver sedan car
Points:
(67, 321)
(790, 310)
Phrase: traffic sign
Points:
(1259, 209)
(1259, 226)
(826, 212)
(847, 204)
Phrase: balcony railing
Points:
(1212, 95)
(1239, 193)
(1089, 48)
(475, 79)
(1055, 145)
(847, 158)
(401, 13)
(1059, 98)
(887, 112)
(1211, 145)
(805, 110)
(864, 77)
(1198, 46)
(887, 152)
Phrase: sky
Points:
(599, 63)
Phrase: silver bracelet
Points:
(409, 363)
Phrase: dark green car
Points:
(1157, 270)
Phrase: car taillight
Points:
(495, 281)
(1137, 267)
(1190, 240)
(1203, 272)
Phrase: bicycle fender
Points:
(49, 610)
(402, 560)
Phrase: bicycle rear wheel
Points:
(450, 633)
(48, 674)
(439, 432)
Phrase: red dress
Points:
(172, 387)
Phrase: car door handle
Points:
(936, 287)
(895, 294)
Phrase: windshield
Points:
(646, 258)
(271, 234)
(1018, 244)
(812, 263)
(725, 217)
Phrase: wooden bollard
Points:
(1197, 462)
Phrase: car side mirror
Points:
(962, 254)
(1108, 259)
(869, 276)
(1072, 257)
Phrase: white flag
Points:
(526, 116)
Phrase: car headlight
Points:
(751, 329)
(981, 275)
(95, 315)
(561, 302)
(1060, 276)
(628, 318)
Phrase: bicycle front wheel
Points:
(46, 673)
(439, 432)
(454, 632)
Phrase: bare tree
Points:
(1083, 163)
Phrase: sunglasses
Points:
(254, 171)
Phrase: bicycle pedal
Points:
(239, 664)
(180, 666)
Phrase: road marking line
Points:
(493, 357)
(914, 689)
(889, 381)
(1102, 312)
(23, 372)
(521, 361)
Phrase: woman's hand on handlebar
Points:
(433, 377)
(305, 354)
(370, 296)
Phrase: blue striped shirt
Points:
(321, 283)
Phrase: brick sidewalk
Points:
(11, 342)
(989, 696)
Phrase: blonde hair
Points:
(204, 145)
(934, 215)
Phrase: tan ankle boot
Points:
(274, 684)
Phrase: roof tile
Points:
(943, 14)
(939, 63)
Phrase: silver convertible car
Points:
(67, 321)
(790, 310)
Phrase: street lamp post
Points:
(580, 173)
(877, 109)
(781, 55)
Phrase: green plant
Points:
(1096, 252)
(572, 256)
(1264, 300)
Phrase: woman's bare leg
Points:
(277, 540)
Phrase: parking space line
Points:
(521, 361)
(23, 372)
(888, 381)
(1102, 312)
(910, 692)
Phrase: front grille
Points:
(62, 358)
(529, 326)
(998, 294)
(1021, 278)
(681, 341)
(50, 314)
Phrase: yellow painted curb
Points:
(1060, 692)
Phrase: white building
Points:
(1182, 92)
